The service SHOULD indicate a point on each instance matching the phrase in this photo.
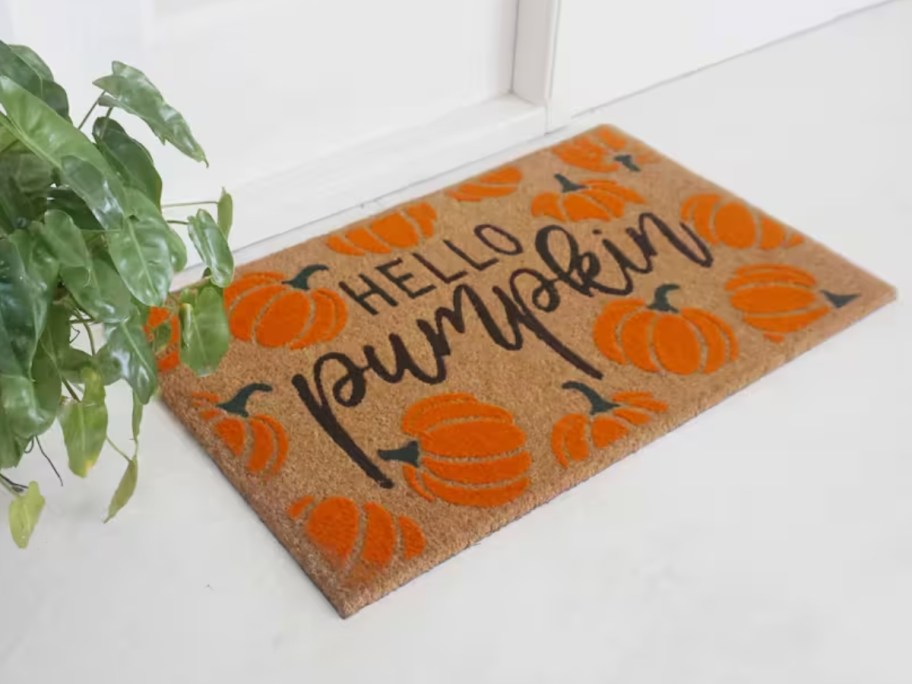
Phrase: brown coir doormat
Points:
(405, 386)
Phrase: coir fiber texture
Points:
(401, 388)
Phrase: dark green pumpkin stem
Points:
(407, 453)
(568, 185)
(838, 300)
(597, 403)
(627, 160)
(300, 281)
(238, 403)
(660, 300)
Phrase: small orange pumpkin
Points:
(275, 311)
(592, 199)
(658, 336)
(359, 542)
(778, 299)
(259, 439)
(399, 229)
(576, 434)
(604, 150)
(734, 224)
(167, 356)
(497, 183)
(465, 452)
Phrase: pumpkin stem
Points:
(597, 403)
(660, 300)
(627, 160)
(407, 453)
(838, 300)
(238, 403)
(568, 185)
(300, 281)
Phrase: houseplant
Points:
(85, 250)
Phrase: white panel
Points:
(610, 48)
(533, 59)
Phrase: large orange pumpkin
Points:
(604, 150)
(358, 542)
(258, 439)
(659, 337)
(167, 356)
(465, 452)
(275, 311)
(778, 299)
(497, 183)
(576, 434)
(399, 229)
(734, 224)
(591, 199)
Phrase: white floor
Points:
(783, 557)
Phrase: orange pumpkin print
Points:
(497, 183)
(358, 542)
(591, 199)
(258, 439)
(167, 355)
(778, 299)
(604, 150)
(660, 337)
(275, 311)
(399, 229)
(465, 452)
(733, 224)
(575, 435)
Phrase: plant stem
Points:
(50, 462)
(117, 449)
(188, 204)
(183, 223)
(70, 389)
(85, 326)
(13, 488)
(89, 113)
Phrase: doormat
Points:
(403, 387)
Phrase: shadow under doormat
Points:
(401, 388)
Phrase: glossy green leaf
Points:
(10, 448)
(140, 252)
(85, 425)
(24, 183)
(95, 189)
(24, 512)
(130, 89)
(53, 138)
(63, 239)
(27, 276)
(125, 488)
(212, 246)
(225, 212)
(30, 403)
(204, 329)
(128, 355)
(25, 68)
(71, 204)
(178, 250)
(99, 290)
(129, 158)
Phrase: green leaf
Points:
(71, 204)
(63, 239)
(130, 89)
(127, 355)
(30, 57)
(24, 183)
(178, 250)
(125, 489)
(85, 425)
(204, 329)
(212, 246)
(30, 404)
(129, 158)
(140, 252)
(94, 187)
(53, 138)
(25, 68)
(10, 448)
(99, 290)
(225, 212)
(24, 512)
(27, 276)
(136, 417)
